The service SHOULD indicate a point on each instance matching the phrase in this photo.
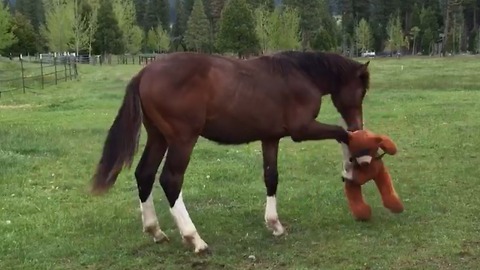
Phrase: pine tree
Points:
(268, 4)
(108, 37)
(216, 7)
(188, 4)
(33, 10)
(7, 38)
(429, 29)
(312, 13)
(198, 28)
(140, 8)
(156, 14)
(25, 34)
(180, 25)
(237, 29)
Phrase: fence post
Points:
(65, 67)
(55, 65)
(23, 74)
(41, 72)
(70, 67)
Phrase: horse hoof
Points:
(205, 250)
(161, 237)
(199, 245)
(158, 235)
(276, 227)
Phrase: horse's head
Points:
(348, 97)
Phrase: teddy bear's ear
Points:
(386, 144)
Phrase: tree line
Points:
(241, 27)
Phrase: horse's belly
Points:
(229, 131)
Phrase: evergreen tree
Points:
(108, 37)
(140, 9)
(25, 34)
(312, 12)
(216, 7)
(7, 38)
(180, 25)
(237, 29)
(156, 14)
(188, 4)
(268, 4)
(198, 28)
(429, 29)
(33, 10)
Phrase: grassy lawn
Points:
(50, 142)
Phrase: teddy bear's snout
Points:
(364, 160)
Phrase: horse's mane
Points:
(316, 65)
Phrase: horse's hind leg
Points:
(270, 176)
(145, 175)
(171, 179)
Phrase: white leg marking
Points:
(185, 225)
(271, 216)
(347, 170)
(150, 221)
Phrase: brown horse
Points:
(186, 95)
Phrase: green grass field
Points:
(50, 142)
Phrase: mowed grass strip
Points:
(50, 142)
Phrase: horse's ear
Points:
(363, 69)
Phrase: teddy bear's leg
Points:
(360, 209)
(390, 198)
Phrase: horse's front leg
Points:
(270, 176)
(351, 124)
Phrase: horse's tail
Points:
(122, 140)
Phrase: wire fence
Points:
(19, 74)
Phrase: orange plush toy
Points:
(364, 165)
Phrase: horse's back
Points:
(226, 100)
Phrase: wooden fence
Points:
(19, 74)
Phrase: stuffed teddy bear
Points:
(366, 164)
